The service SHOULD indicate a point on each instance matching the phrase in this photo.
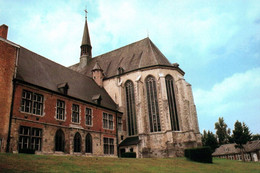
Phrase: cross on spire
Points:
(86, 12)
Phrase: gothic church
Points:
(131, 99)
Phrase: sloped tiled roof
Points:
(39, 71)
(231, 149)
(132, 57)
(129, 141)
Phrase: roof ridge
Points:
(120, 48)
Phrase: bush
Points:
(202, 154)
(27, 151)
(129, 155)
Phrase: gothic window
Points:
(60, 111)
(131, 113)
(77, 142)
(32, 103)
(108, 121)
(75, 113)
(153, 109)
(172, 103)
(59, 140)
(88, 117)
(88, 143)
(108, 145)
(30, 138)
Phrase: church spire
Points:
(85, 47)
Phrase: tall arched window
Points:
(130, 104)
(152, 101)
(59, 140)
(88, 143)
(172, 103)
(77, 142)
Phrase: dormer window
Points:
(97, 99)
(120, 70)
(63, 88)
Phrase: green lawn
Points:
(39, 163)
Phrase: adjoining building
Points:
(229, 151)
(131, 99)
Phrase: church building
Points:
(131, 99)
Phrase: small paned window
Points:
(88, 117)
(30, 139)
(32, 103)
(60, 114)
(108, 145)
(111, 122)
(105, 120)
(75, 113)
(108, 121)
(152, 100)
(119, 124)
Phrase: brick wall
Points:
(49, 124)
(7, 68)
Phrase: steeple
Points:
(85, 53)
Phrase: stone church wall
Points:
(166, 143)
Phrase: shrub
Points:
(202, 154)
(27, 151)
(129, 155)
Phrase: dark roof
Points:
(132, 57)
(37, 70)
(231, 149)
(129, 141)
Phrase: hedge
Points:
(202, 154)
(129, 155)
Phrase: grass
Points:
(42, 163)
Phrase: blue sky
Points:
(217, 43)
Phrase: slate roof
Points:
(140, 54)
(231, 149)
(37, 70)
(129, 141)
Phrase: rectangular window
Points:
(60, 114)
(30, 138)
(108, 121)
(108, 145)
(119, 123)
(32, 103)
(105, 120)
(75, 113)
(111, 122)
(88, 117)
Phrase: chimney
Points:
(3, 31)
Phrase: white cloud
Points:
(235, 98)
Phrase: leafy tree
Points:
(256, 137)
(222, 132)
(209, 139)
(241, 136)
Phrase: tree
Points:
(241, 135)
(222, 132)
(256, 137)
(209, 139)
